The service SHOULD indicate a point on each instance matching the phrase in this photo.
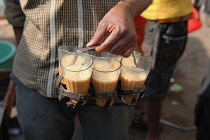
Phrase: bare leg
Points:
(153, 111)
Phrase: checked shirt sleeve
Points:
(14, 13)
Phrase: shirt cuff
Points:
(14, 14)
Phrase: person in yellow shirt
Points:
(166, 36)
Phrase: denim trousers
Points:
(43, 118)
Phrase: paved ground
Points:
(178, 107)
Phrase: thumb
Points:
(98, 35)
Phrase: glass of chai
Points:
(77, 76)
(106, 71)
(133, 76)
(62, 51)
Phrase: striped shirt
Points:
(49, 24)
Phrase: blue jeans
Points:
(43, 118)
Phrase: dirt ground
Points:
(178, 107)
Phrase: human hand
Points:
(120, 24)
(9, 99)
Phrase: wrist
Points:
(136, 7)
(128, 6)
(18, 33)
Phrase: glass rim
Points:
(59, 48)
(145, 70)
(106, 71)
(79, 70)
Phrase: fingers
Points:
(98, 35)
(111, 40)
(123, 44)
(128, 52)
(119, 42)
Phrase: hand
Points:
(120, 24)
(9, 99)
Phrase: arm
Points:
(18, 33)
(16, 17)
(9, 99)
(119, 22)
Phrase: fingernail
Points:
(89, 43)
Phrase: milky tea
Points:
(62, 51)
(133, 76)
(105, 77)
(77, 76)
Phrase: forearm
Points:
(136, 7)
(9, 99)
(18, 33)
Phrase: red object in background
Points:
(3, 22)
(140, 23)
(194, 23)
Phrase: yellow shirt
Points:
(166, 9)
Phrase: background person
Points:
(166, 36)
(202, 110)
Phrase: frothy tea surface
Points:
(105, 78)
(77, 76)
